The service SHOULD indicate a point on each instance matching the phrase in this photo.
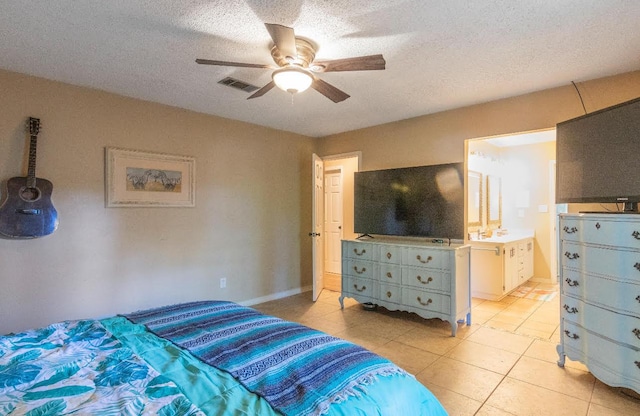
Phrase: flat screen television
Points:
(423, 201)
(597, 157)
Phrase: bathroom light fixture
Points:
(292, 79)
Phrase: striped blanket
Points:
(298, 370)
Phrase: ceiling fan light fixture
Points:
(292, 79)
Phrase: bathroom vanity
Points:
(500, 264)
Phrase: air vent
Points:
(236, 83)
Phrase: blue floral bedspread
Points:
(79, 367)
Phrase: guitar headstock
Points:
(34, 126)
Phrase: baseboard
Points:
(540, 280)
(275, 296)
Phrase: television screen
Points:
(424, 201)
(597, 156)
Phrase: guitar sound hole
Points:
(30, 194)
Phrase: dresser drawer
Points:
(389, 273)
(360, 268)
(617, 263)
(594, 351)
(423, 257)
(427, 279)
(390, 254)
(619, 296)
(357, 286)
(618, 327)
(426, 300)
(390, 293)
(357, 250)
(601, 231)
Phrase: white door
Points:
(553, 249)
(333, 221)
(317, 219)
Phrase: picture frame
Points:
(135, 178)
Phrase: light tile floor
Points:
(502, 364)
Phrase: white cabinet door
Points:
(511, 265)
(528, 259)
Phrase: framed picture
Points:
(142, 179)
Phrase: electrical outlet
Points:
(223, 282)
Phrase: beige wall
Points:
(532, 176)
(253, 205)
(440, 138)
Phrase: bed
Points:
(200, 358)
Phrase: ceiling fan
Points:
(296, 70)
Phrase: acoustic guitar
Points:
(27, 211)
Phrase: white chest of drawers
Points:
(600, 295)
(427, 279)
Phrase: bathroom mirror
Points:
(494, 201)
(474, 199)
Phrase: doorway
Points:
(338, 214)
(333, 220)
(524, 164)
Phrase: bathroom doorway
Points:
(521, 164)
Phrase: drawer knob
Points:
(570, 310)
(424, 261)
(429, 301)
(637, 266)
(424, 282)
(364, 269)
(359, 290)
(389, 275)
(355, 250)
(571, 256)
(388, 255)
(388, 294)
(638, 298)
(637, 363)
(636, 332)
(570, 335)
(636, 235)
(572, 283)
(570, 230)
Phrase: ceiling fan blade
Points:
(284, 38)
(225, 63)
(361, 63)
(262, 91)
(329, 91)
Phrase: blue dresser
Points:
(600, 295)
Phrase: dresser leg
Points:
(469, 319)
(561, 355)
(454, 327)
(341, 299)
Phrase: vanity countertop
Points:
(507, 238)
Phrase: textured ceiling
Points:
(440, 54)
